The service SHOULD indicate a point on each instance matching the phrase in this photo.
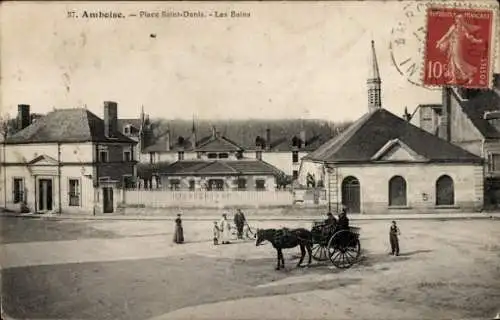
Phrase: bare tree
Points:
(5, 126)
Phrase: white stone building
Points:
(69, 161)
(384, 164)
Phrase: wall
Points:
(229, 182)
(31, 175)
(171, 156)
(209, 199)
(312, 168)
(420, 179)
(281, 160)
(23, 153)
(461, 128)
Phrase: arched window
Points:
(397, 191)
(445, 192)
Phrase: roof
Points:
(66, 125)
(243, 133)
(219, 167)
(218, 143)
(476, 108)
(382, 129)
(374, 74)
(135, 123)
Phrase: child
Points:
(216, 233)
(393, 238)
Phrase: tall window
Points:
(180, 155)
(74, 192)
(151, 157)
(295, 156)
(494, 162)
(242, 183)
(18, 190)
(397, 191)
(295, 174)
(260, 184)
(175, 184)
(445, 193)
(192, 184)
(127, 156)
(103, 156)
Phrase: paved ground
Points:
(131, 270)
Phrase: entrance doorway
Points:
(351, 194)
(45, 194)
(107, 197)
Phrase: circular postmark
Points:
(407, 43)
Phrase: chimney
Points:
(444, 128)
(167, 140)
(23, 116)
(110, 118)
(268, 139)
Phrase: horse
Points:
(287, 239)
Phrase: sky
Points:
(287, 60)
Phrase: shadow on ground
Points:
(146, 288)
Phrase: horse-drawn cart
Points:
(340, 246)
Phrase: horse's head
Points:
(259, 236)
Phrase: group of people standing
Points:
(222, 230)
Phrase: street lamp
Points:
(329, 171)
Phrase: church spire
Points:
(374, 82)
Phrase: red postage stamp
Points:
(459, 47)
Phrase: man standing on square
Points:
(393, 238)
(239, 221)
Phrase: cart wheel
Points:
(344, 249)
(319, 252)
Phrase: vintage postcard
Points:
(250, 160)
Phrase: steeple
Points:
(193, 135)
(374, 82)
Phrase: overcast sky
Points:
(308, 60)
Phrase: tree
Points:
(6, 126)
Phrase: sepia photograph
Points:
(224, 160)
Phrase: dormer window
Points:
(126, 130)
(180, 141)
(295, 142)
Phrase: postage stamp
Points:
(459, 48)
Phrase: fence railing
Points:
(166, 198)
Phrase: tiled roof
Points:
(244, 133)
(218, 143)
(220, 167)
(66, 125)
(476, 107)
(361, 141)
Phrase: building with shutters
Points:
(68, 161)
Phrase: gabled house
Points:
(470, 118)
(384, 164)
(281, 148)
(70, 160)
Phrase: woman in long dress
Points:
(225, 229)
(452, 43)
(179, 232)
